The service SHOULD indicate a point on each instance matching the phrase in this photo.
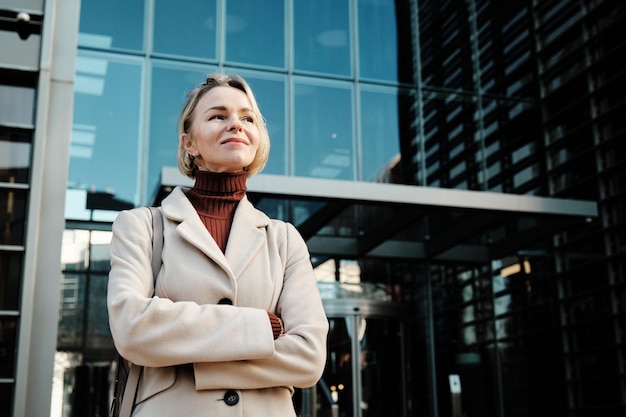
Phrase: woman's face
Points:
(224, 136)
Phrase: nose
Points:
(235, 125)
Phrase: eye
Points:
(217, 116)
(249, 119)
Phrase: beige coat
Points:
(238, 368)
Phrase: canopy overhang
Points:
(354, 220)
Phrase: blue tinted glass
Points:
(185, 27)
(323, 132)
(111, 24)
(104, 154)
(322, 36)
(378, 40)
(255, 32)
(170, 84)
(270, 96)
(380, 135)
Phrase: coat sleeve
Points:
(300, 354)
(153, 331)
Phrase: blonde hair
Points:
(186, 163)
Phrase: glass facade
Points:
(486, 96)
(455, 94)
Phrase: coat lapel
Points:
(179, 209)
(247, 236)
(247, 233)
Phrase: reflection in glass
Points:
(75, 250)
(71, 311)
(270, 96)
(106, 125)
(169, 85)
(14, 160)
(111, 24)
(336, 385)
(385, 42)
(100, 259)
(380, 135)
(185, 27)
(252, 25)
(13, 215)
(322, 36)
(97, 329)
(323, 139)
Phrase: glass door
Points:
(364, 375)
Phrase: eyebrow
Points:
(223, 108)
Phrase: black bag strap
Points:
(120, 407)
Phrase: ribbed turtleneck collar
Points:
(220, 184)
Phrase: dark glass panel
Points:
(15, 154)
(71, 312)
(8, 347)
(6, 399)
(12, 216)
(336, 386)
(98, 332)
(10, 279)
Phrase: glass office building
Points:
(456, 167)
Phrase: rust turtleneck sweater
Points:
(215, 197)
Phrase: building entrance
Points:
(365, 366)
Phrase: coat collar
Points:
(247, 233)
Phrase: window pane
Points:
(100, 259)
(71, 312)
(170, 84)
(322, 36)
(12, 213)
(10, 274)
(8, 331)
(98, 333)
(380, 136)
(270, 95)
(185, 27)
(17, 52)
(15, 151)
(384, 30)
(255, 32)
(16, 105)
(106, 124)
(75, 250)
(323, 131)
(111, 24)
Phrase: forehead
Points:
(221, 96)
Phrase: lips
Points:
(235, 140)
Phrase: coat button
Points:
(225, 301)
(231, 397)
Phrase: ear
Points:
(188, 144)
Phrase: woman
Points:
(235, 320)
